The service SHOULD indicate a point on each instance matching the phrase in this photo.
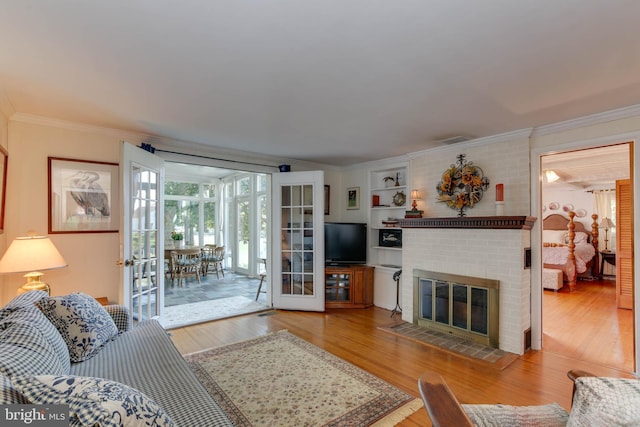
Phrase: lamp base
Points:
(34, 284)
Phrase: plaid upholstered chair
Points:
(597, 401)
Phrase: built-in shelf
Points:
(478, 222)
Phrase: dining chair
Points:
(208, 257)
(186, 262)
(218, 260)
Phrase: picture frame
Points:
(83, 196)
(390, 238)
(4, 162)
(327, 192)
(353, 198)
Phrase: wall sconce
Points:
(31, 254)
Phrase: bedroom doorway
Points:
(587, 324)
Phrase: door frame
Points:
(536, 155)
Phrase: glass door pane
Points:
(243, 221)
(298, 238)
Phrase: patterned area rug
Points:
(280, 379)
(186, 314)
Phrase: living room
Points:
(511, 156)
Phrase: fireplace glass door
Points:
(458, 307)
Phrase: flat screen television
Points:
(345, 243)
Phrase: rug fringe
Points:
(400, 414)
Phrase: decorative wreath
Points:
(462, 185)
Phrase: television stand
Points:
(348, 286)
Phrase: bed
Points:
(569, 247)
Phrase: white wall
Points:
(91, 256)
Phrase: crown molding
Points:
(187, 147)
(74, 126)
(593, 119)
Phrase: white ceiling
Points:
(332, 81)
(592, 169)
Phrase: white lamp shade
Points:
(34, 253)
(606, 223)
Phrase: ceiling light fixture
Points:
(551, 176)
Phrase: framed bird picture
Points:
(83, 196)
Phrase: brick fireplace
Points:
(491, 248)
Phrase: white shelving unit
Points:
(392, 202)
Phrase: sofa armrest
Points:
(120, 315)
(442, 406)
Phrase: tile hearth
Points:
(448, 342)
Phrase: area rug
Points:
(186, 314)
(494, 357)
(282, 380)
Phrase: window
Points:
(190, 209)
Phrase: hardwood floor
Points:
(537, 377)
(587, 325)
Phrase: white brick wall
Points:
(489, 254)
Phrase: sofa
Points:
(74, 351)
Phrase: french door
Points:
(298, 240)
(141, 240)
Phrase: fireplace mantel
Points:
(478, 222)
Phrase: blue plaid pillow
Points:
(25, 350)
(9, 394)
(31, 316)
(83, 323)
(94, 401)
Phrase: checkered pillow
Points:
(94, 401)
(601, 401)
(83, 323)
(25, 350)
(30, 315)
(9, 395)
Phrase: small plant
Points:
(176, 236)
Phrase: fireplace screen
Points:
(460, 305)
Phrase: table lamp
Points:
(31, 254)
(606, 223)
(415, 195)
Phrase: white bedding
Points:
(560, 254)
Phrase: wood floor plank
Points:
(537, 377)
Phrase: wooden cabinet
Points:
(348, 286)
